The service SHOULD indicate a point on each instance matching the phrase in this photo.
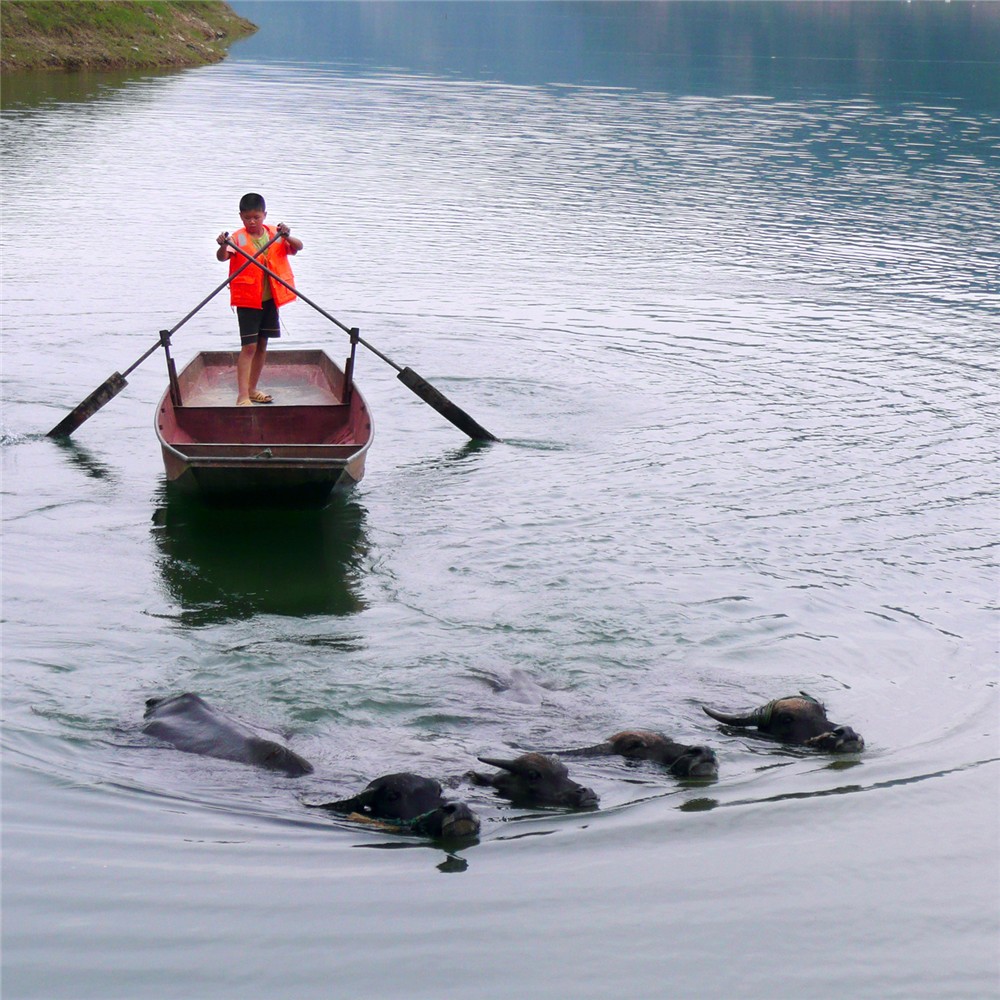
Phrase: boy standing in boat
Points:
(255, 294)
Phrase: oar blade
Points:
(101, 395)
(444, 406)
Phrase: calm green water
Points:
(724, 279)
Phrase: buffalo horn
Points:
(356, 803)
(507, 765)
(753, 718)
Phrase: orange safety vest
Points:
(247, 289)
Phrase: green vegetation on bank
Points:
(116, 34)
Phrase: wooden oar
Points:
(114, 384)
(407, 376)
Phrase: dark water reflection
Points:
(27, 90)
(222, 565)
(84, 459)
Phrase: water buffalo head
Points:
(798, 719)
(409, 803)
(533, 780)
(682, 760)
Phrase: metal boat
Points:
(312, 439)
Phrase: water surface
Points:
(732, 308)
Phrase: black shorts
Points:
(255, 323)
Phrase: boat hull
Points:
(309, 442)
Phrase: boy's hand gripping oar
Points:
(113, 385)
(407, 376)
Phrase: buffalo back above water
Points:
(681, 759)
(187, 722)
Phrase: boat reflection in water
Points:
(222, 564)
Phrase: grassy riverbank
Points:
(115, 34)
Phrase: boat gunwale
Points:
(205, 461)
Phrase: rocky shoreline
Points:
(112, 35)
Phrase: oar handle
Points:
(110, 388)
(407, 376)
(208, 298)
(308, 301)
(211, 295)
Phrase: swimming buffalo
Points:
(192, 725)
(683, 761)
(408, 803)
(533, 780)
(799, 719)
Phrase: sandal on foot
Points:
(261, 397)
(244, 402)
